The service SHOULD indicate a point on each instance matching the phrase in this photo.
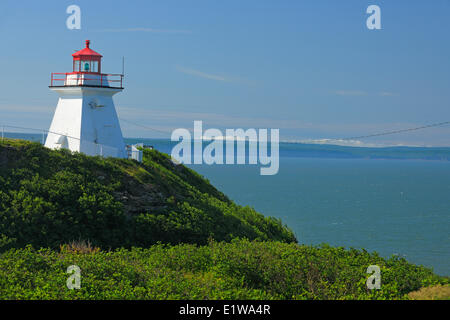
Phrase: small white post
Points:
(101, 150)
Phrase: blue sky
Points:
(310, 68)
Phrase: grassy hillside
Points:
(52, 197)
(157, 230)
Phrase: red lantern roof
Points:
(87, 52)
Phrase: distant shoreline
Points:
(297, 149)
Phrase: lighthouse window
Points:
(86, 66)
(76, 65)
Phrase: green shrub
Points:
(195, 243)
(51, 197)
(241, 269)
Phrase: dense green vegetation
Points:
(237, 270)
(161, 231)
(51, 197)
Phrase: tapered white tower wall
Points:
(86, 121)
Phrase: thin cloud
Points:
(176, 119)
(150, 30)
(387, 94)
(350, 93)
(26, 109)
(359, 93)
(201, 74)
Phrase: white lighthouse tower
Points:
(85, 119)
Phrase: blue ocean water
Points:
(386, 200)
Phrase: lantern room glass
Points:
(76, 66)
(86, 66)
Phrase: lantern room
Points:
(87, 71)
(87, 60)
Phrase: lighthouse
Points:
(85, 118)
